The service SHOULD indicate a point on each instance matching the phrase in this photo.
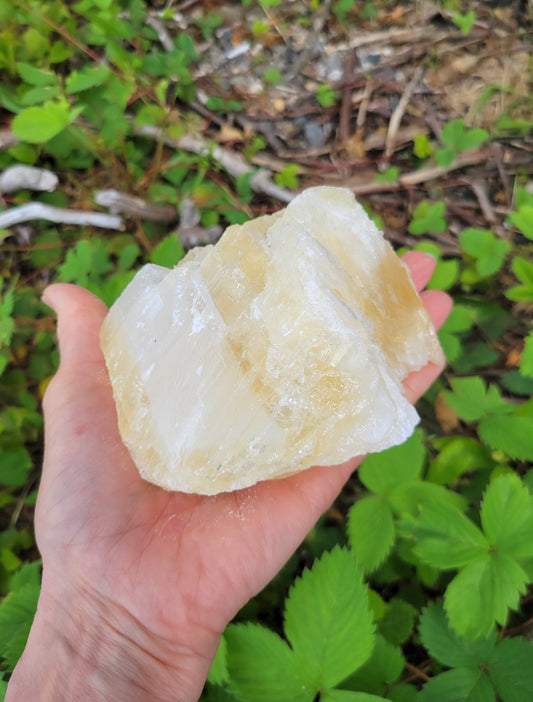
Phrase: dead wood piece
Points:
(38, 210)
(234, 163)
(398, 113)
(22, 177)
(124, 203)
(7, 139)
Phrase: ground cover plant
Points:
(171, 121)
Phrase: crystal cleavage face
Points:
(281, 347)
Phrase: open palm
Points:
(171, 568)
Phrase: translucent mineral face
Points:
(281, 347)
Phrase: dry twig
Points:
(38, 210)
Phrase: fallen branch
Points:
(27, 178)
(38, 210)
(234, 163)
(118, 202)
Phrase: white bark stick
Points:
(38, 210)
(27, 178)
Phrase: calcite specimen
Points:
(281, 347)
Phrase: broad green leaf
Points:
(349, 696)
(371, 531)
(88, 77)
(15, 466)
(382, 471)
(482, 593)
(471, 399)
(483, 246)
(511, 670)
(444, 275)
(459, 685)
(328, 621)
(411, 497)
(447, 647)
(384, 667)
(168, 252)
(402, 692)
(447, 539)
(37, 125)
(28, 574)
(218, 673)
(398, 621)
(507, 516)
(35, 76)
(456, 136)
(16, 616)
(457, 455)
(262, 667)
(512, 433)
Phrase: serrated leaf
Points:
(35, 76)
(37, 125)
(17, 611)
(168, 252)
(457, 456)
(523, 269)
(471, 399)
(411, 497)
(371, 531)
(384, 667)
(349, 696)
(482, 593)
(507, 516)
(447, 539)
(218, 673)
(262, 667)
(482, 245)
(28, 574)
(523, 219)
(512, 433)
(511, 670)
(458, 685)
(399, 464)
(447, 647)
(328, 621)
(88, 77)
(398, 621)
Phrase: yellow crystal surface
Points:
(281, 347)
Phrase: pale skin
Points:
(139, 583)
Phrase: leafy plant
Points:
(428, 217)
(464, 22)
(457, 138)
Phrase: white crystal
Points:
(282, 347)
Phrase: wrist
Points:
(83, 647)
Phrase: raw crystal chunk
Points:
(282, 347)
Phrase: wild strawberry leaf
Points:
(371, 531)
(262, 667)
(511, 670)
(328, 621)
(382, 471)
(458, 685)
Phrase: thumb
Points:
(79, 317)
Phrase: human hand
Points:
(139, 583)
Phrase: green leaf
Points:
(349, 696)
(458, 455)
(428, 217)
(17, 611)
(411, 497)
(218, 673)
(328, 621)
(447, 539)
(262, 667)
(507, 516)
(526, 357)
(15, 467)
(482, 593)
(471, 399)
(523, 270)
(168, 252)
(382, 471)
(88, 77)
(511, 670)
(37, 125)
(488, 251)
(384, 667)
(459, 138)
(447, 647)
(459, 685)
(371, 531)
(35, 76)
(523, 219)
(398, 621)
(512, 433)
